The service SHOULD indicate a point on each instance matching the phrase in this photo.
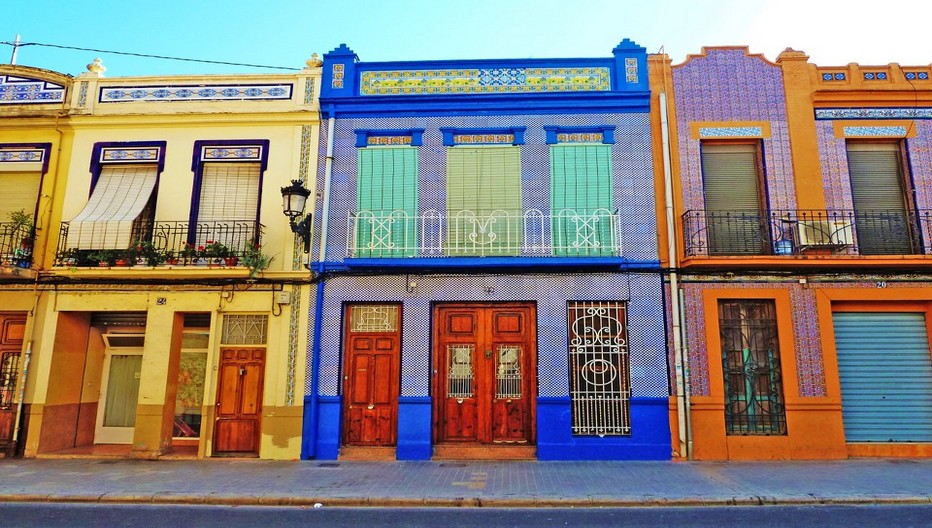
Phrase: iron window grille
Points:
(600, 386)
(753, 378)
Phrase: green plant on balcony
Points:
(145, 252)
(104, 257)
(255, 259)
(21, 225)
(70, 257)
(215, 252)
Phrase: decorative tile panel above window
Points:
(599, 134)
(411, 137)
(23, 90)
(483, 136)
(196, 92)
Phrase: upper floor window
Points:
(484, 201)
(584, 220)
(880, 195)
(387, 202)
(734, 191)
(227, 180)
(121, 206)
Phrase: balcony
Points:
(16, 243)
(171, 243)
(499, 233)
(806, 232)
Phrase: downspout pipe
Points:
(680, 365)
(310, 447)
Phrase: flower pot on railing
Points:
(231, 261)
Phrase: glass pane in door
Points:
(122, 391)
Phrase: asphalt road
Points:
(69, 515)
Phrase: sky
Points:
(284, 33)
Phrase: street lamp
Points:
(293, 199)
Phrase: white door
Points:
(119, 394)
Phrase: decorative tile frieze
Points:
(874, 131)
(23, 90)
(921, 75)
(717, 132)
(875, 76)
(220, 92)
(874, 113)
(489, 80)
(337, 77)
(130, 154)
(604, 134)
(232, 153)
(631, 70)
(17, 155)
(833, 76)
(309, 91)
(466, 136)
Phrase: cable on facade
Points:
(144, 55)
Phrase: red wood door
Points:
(12, 330)
(484, 355)
(239, 400)
(373, 349)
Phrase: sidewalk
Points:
(458, 483)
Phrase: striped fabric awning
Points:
(106, 222)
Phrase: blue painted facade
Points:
(532, 105)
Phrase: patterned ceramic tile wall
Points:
(727, 85)
(834, 163)
(808, 348)
(550, 292)
(631, 160)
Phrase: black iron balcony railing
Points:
(802, 232)
(178, 243)
(16, 243)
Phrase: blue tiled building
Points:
(486, 263)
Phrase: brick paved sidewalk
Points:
(454, 483)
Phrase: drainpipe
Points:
(311, 447)
(679, 359)
(14, 443)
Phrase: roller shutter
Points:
(886, 376)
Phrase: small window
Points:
(751, 364)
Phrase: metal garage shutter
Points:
(886, 376)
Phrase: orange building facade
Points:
(798, 219)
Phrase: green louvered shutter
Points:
(581, 200)
(386, 221)
(730, 179)
(878, 196)
(484, 201)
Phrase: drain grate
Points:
(328, 464)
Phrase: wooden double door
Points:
(484, 365)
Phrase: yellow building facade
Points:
(166, 305)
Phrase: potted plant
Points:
(22, 227)
(255, 259)
(148, 254)
(215, 252)
(103, 257)
(69, 257)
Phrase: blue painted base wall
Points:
(649, 438)
(414, 428)
(328, 433)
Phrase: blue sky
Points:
(284, 33)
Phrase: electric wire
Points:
(149, 56)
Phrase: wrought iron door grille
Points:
(460, 373)
(751, 364)
(244, 329)
(9, 363)
(374, 318)
(508, 372)
(600, 387)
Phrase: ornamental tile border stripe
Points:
(129, 154)
(170, 93)
(873, 131)
(22, 90)
(709, 132)
(489, 80)
(874, 113)
(21, 155)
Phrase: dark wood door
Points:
(12, 330)
(239, 401)
(373, 346)
(484, 356)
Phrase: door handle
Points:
(488, 354)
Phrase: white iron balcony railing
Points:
(465, 233)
